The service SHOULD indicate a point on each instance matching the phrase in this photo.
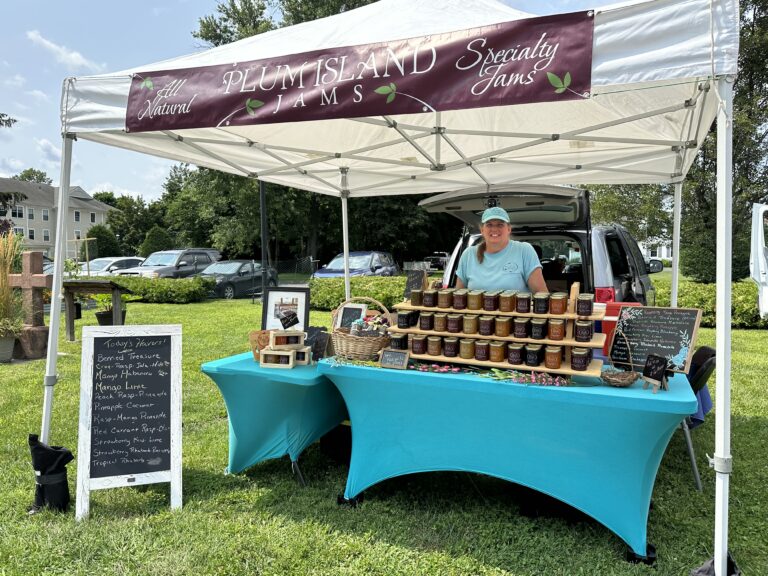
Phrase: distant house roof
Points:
(46, 195)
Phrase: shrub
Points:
(157, 239)
(167, 290)
(328, 293)
(106, 243)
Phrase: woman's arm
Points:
(459, 283)
(536, 282)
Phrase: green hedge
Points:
(167, 290)
(328, 293)
(695, 295)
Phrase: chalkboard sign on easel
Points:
(130, 410)
(416, 280)
(655, 371)
(642, 331)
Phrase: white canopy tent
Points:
(661, 71)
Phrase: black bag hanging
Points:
(49, 463)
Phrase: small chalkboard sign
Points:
(667, 332)
(397, 359)
(416, 280)
(130, 410)
(655, 371)
(317, 339)
(349, 313)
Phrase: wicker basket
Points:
(620, 379)
(357, 347)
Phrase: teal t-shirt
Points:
(507, 269)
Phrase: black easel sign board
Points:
(130, 410)
(642, 331)
(416, 280)
(317, 339)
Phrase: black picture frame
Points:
(284, 308)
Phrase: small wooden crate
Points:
(303, 356)
(278, 358)
(286, 340)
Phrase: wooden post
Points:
(69, 302)
(117, 307)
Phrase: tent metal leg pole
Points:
(722, 459)
(264, 240)
(345, 233)
(676, 243)
(58, 269)
(691, 453)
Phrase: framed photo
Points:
(349, 313)
(285, 308)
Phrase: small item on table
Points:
(558, 303)
(434, 345)
(533, 354)
(482, 350)
(583, 330)
(523, 303)
(259, 340)
(579, 359)
(426, 321)
(430, 298)
(556, 329)
(467, 348)
(585, 304)
(397, 359)
(445, 298)
(277, 358)
(475, 300)
(503, 326)
(541, 303)
(507, 301)
(515, 353)
(485, 327)
(460, 299)
(491, 301)
(286, 339)
(469, 324)
(404, 319)
(304, 356)
(440, 323)
(539, 328)
(498, 351)
(450, 347)
(522, 327)
(553, 357)
(454, 323)
(399, 342)
(417, 297)
(419, 344)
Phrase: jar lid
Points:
(441, 314)
(493, 292)
(554, 349)
(476, 292)
(515, 346)
(538, 321)
(446, 291)
(534, 348)
(559, 295)
(452, 316)
(469, 316)
(466, 341)
(579, 351)
(418, 337)
(557, 321)
(586, 296)
(507, 293)
(503, 319)
(434, 338)
(523, 295)
(583, 323)
(481, 343)
(417, 290)
(486, 318)
(460, 291)
(423, 314)
(496, 344)
(430, 291)
(541, 295)
(450, 339)
(522, 320)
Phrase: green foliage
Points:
(167, 290)
(236, 19)
(157, 239)
(6, 121)
(744, 311)
(10, 300)
(107, 197)
(132, 220)
(297, 11)
(641, 209)
(106, 243)
(104, 301)
(328, 293)
(33, 175)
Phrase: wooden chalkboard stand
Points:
(128, 380)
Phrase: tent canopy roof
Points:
(650, 107)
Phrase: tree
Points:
(297, 11)
(107, 197)
(33, 175)
(131, 222)
(644, 210)
(157, 239)
(6, 121)
(106, 243)
(237, 19)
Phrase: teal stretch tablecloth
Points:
(594, 447)
(273, 412)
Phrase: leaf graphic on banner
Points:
(560, 85)
(148, 84)
(567, 79)
(251, 105)
(390, 91)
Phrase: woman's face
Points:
(496, 234)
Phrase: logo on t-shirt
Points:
(511, 266)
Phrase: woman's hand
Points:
(536, 282)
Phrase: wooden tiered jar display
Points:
(568, 342)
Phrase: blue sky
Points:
(45, 41)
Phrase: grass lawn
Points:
(262, 522)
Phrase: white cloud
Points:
(20, 106)
(49, 151)
(15, 81)
(118, 190)
(38, 95)
(70, 58)
(10, 167)
(5, 64)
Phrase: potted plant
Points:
(11, 318)
(104, 312)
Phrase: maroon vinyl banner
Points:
(545, 59)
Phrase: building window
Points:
(31, 234)
(77, 234)
(45, 214)
(46, 236)
(18, 230)
(93, 217)
(3, 211)
(654, 252)
(17, 212)
(30, 213)
(77, 215)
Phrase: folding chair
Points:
(702, 366)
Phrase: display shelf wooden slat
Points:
(598, 340)
(568, 316)
(594, 368)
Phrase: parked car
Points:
(604, 259)
(437, 260)
(238, 278)
(365, 263)
(173, 263)
(109, 266)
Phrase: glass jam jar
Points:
(556, 329)
(541, 303)
(450, 347)
(491, 301)
(523, 303)
(583, 330)
(498, 351)
(419, 344)
(469, 324)
(467, 348)
(417, 297)
(430, 298)
(426, 321)
(522, 327)
(440, 323)
(414, 319)
(460, 299)
(553, 357)
(475, 300)
(515, 353)
(485, 327)
(434, 345)
(503, 326)
(539, 328)
(507, 301)
(398, 341)
(558, 303)
(533, 355)
(454, 323)
(579, 359)
(445, 298)
(585, 304)
(482, 350)
(404, 319)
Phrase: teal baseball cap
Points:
(495, 213)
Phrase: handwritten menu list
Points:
(131, 406)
